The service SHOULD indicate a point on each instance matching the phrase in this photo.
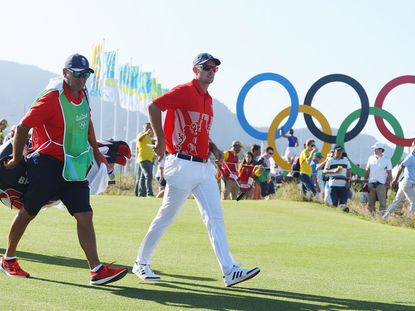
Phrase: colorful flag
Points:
(133, 82)
(133, 88)
(96, 65)
(153, 90)
(159, 90)
(123, 77)
(144, 85)
(128, 86)
(124, 72)
(109, 86)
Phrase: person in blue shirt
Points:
(314, 163)
(406, 185)
(292, 149)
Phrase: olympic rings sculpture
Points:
(376, 112)
(277, 121)
(325, 135)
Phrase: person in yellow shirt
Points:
(306, 156)
(145, 159)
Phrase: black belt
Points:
(190, 158)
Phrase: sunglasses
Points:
(80, 74)
(207, 67)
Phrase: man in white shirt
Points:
(379, 175)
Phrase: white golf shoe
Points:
(144, 272)
(238, 275)
(386, 215)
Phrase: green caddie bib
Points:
(77, 151)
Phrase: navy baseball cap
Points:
(77, 62)
(202, 58)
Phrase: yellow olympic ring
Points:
(277, 121)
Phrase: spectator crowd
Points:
(254, 175)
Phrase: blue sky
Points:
(372, 41)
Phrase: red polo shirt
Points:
(188, 120)
(46, 115)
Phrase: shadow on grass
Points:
(82, 263)
(190, 295)
(242, 299)
(53, 260)
(186, 277)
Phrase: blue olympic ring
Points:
(364, 100)
(241, 99)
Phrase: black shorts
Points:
(47, 184)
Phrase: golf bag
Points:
(13, 183)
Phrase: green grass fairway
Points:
(311, 258)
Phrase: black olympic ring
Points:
(364, 100)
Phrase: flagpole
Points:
(128, 120)
(128, 105)
(100, 97)
(137, 129)
(139, 101)
(116, 97)
(128, 112)
(100, 119)
(138, 118)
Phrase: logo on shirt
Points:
(82, 125)
(195, 128)
(82, 120)
(81, 116)
(191, 132)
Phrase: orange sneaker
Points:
(12, 268)
(107, 275)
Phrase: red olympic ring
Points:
(380, 123)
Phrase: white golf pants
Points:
(406, 190)
(184, 177)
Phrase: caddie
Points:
(64, 142)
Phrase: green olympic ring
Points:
(397, 154)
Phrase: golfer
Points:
(188, 170)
